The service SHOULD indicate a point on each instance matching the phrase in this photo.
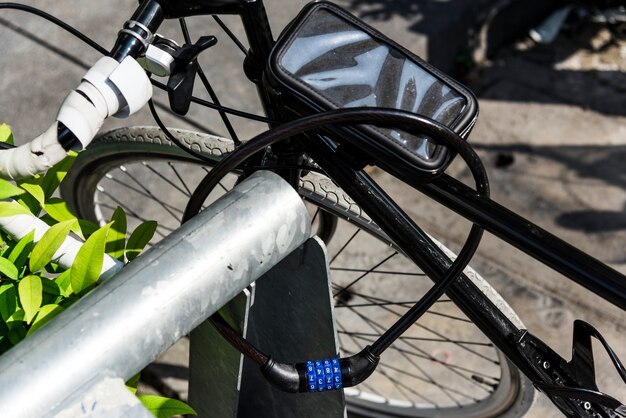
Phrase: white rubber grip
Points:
(19, 226)
(32, 158)
(108, 89)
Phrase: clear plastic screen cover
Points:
(347, 67)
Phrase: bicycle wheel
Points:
(442, 366)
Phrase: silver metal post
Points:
(124, 324)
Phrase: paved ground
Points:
(552, 132)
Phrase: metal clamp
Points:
(129, 27)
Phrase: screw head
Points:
(587, 406)
(546, 365)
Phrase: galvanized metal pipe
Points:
(123, 325)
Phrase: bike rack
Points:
(76, 364)
(288, 313)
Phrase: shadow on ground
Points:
(601, 163)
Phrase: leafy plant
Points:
(33, 287)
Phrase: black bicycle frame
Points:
(512, 228)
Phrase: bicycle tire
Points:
(512, 394)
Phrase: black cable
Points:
(412, 123)
(285, 167)
(58, 22)
(243, 345)
(225, 109)
(354, 116)
(78, 34)
(175, 140)
(425, 302)
(203, 157)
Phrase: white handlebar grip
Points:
(108, 89)
(20, 225)
(32, 158)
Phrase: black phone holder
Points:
(328, 59)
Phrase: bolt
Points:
(546, 365)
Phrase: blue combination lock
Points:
(323, 375)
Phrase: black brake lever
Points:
(183, 76)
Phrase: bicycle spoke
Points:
(344, 246)
(404, 304)
(355, 281)
(456, 318)
(404, 372)
(428, 378)
(376, 327)
(231, 35)
(427, 339)
(351, 353)
(396, 273)
(165, 179)
(208, 87)
(179, 178)
(220, 183)
(141, 192)
(160, 202)
(376, 301)
(440, 335)
(133, 215)
(315, 216)
(372, 304)
(423, 355)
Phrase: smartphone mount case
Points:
(329, 59)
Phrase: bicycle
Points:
(477, 299)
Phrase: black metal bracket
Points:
(571, 385)
(181, 81)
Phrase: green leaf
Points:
(4, 331)
(140, 237)
(133, 382)
(8, 189)
(34, 189)
(164, 407)
(116, 239)
(50, 286)
(59, 211)
(8, 268)
(6, 135)
(11, 209)
(57, 173)
(30, 291)
(8, 301)
(49, 243)
(16, 319)
(19, 254)
(5, 246)
(17, 333)
(88, 263)
(45, 314)
(65, 284)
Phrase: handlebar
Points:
(138, 31)
(115, 86)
